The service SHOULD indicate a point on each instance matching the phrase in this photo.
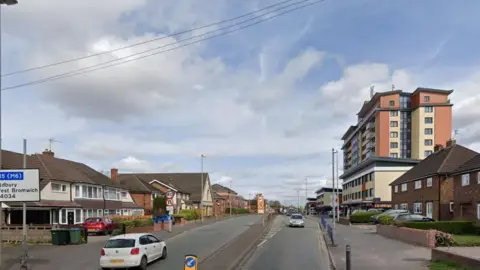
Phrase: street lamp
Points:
(202, 156)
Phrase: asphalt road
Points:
(201, 241)
(285, 248)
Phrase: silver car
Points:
(296, 220)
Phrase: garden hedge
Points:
(452, 227)
(362, 217)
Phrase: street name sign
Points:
(22, 185)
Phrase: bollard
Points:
(347, 257)
(124, 228)
(170, 226)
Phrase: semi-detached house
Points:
(70, 192)
(466, 199)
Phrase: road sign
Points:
(191, 262)
(170, 194)
(22, 185)
(169, 202)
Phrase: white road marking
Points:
(261, 243)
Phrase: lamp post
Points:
(202, 156)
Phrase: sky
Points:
(265, 104)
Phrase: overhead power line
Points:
(112, 63)
(147, 41)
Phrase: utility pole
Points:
(336, 191)
(298, 199)
(230, 197)
(306, 196)
(202, 156)
(333, 189)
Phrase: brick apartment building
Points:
(428, 188)
(466, 199)
(395, 130)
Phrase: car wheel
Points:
(143, 263)
(164, 253)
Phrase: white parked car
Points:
(296, 220)
(132, 250)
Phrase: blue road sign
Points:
(190, 262)
(13, 175)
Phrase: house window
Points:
(478, 178)
(394, 155)
(417, 208)
(124, 194)
(78, 215)
(395, 189)
(465, 179)
(55, 214)
(404, 187)
(63, 216)
(478, 210)
(393, 145)
(404, 206)
(393, 123)
(428, 120)
(428, 131)
(428, 109)
(429, 181)
(391, 102)
(100, 212)
(90, 192)
(451, 206)
(395, 206)
(418, 184)
(393, 113)
(426, 99)
(428, 153)
(393, 134)
(59, 188)
(428, 142)
(77, 191)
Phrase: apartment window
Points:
(372, 192)
(396, 189)
(393, 134)
(394, 155)
(59, 188)
(426, 98)
(429, 182)
(417, 208)
(404, 206)
(393, 145)
(404, 187)
(393, 113)
(428, 142)
(451, 206)
(428, 153)
(428, 109)
(393, 123)
(418, 184)
(428, 120)
(465, 179)
(392, 102)
(428, 131)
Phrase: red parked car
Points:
(99, 225)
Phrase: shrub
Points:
(444, 239)
(142, 222)
(386, 220)
(237, 211)
(452, 227)
(191, 214)
(362, 217)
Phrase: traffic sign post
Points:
(191, 262)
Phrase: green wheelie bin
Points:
(75, 236)
(55, 237)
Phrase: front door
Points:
(429, 209)
(70, 218)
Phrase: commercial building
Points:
(394, 131)
(325, 198)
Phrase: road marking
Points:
(261, 243)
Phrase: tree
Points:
(159, 205)
(275, 205)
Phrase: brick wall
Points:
(466, 197)
(443, 255)
(143, 200)
(412, 236)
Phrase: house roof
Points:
(220, 188)
(471, 165)
(183, 182)
(444, 161)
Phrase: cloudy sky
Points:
(265, 104)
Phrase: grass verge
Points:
(467, 240)
(444, 265)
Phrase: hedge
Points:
(452, 227)
(191, 214)
(362, 217)
(386, 220)
(237, 211)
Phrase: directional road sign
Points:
(22, 185)
(191, 262)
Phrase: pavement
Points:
(372, 251)
(190, 238)
(285, 248)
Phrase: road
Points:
(201, 241)
(285, 248)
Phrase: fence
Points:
(329, 229)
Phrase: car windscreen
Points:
(297, 217)
(93, 220)
(120, 243)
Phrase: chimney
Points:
(451, 142)
(48, 153)
(437, 147)
(114, 175)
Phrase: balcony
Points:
(370, 145)
(370, 125)
(370, 135)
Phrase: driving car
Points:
(99, 225)
(296, 220)
(132, 250)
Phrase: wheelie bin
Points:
(75, 236)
